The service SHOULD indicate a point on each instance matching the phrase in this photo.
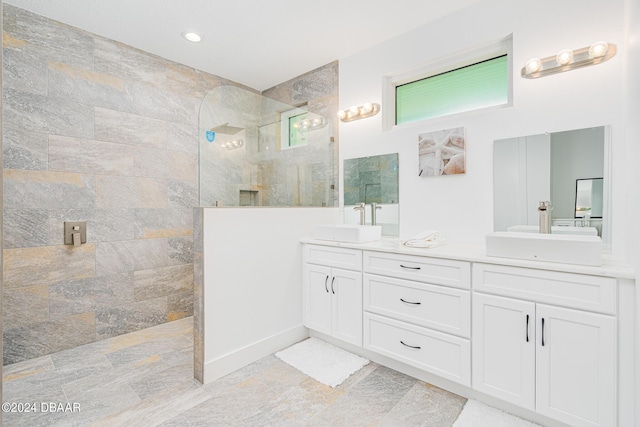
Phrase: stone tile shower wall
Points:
(94, 131)
(261, 170)
(315, 167)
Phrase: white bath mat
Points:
(476, 414)
(322, 361)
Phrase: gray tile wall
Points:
(371, 179)
(305, 176)
(1, 204)
(198, 292)
(94, 131)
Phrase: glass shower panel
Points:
(281, 155)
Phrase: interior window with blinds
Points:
(479, 85)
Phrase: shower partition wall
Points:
(256, 151)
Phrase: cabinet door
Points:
(317, 298)
(346, 289)
(504, 348)
(576, 366)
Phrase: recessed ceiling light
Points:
(191, 36)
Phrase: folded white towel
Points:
(416, 243)
(426, 239)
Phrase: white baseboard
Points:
(244, 356)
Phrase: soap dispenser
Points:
(545, 216)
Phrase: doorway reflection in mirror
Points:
(559, 167)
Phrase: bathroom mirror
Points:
(589, 194)
(370, 180)
(551, 166)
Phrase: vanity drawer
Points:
(348, 259)
(431, 270)
(593, 293)
(437, 307)
(432, 351)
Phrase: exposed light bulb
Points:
(598, 49)
(192, 37)
(533, 65)
(232, 145)
(564, 57)
(567, 59)
(355, 112)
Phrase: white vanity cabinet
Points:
(332, 292)
(417, 310)
(552, 343)
(557, 361)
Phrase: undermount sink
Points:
(555, 229)
(563, 248)
(348, 233)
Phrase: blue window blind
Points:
(475, 86)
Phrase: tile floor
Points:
(146, 379)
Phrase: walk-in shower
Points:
(256, 151)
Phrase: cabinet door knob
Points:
(325, 283)
(409, 302)
(409, 267)
(410, 346)
(333, 280)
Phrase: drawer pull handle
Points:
(325, 283)
(527, 328)
(333, 280)
(410, 346)
(409, 267)
(409, 302)
(543, 331)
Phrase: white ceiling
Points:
(259, 43)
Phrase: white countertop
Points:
(611, 266)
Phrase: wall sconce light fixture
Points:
(232, 145)
(311, 123)
(359, 112)
(568, 59)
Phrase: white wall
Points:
(522, 180)
(632, 108)
(253, 282)
(567, 167)
(461, 205)
(510, 183)
(538, 161)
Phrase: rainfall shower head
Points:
(225, 129)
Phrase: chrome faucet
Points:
(360, 208)
(374, 208)
(545, 216)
